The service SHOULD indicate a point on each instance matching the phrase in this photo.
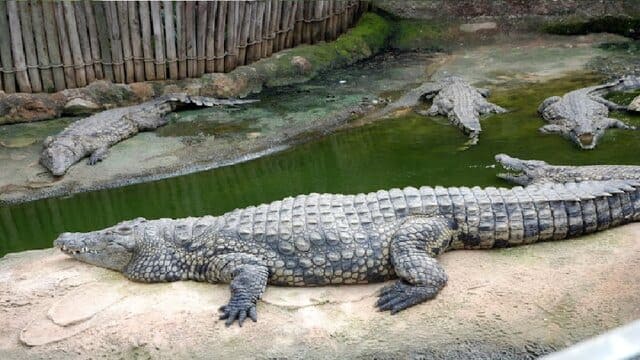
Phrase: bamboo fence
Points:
(48, 46)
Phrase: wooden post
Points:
(145, 22)
(230, 41)
(190, 22)
(257, 34)
(277, 26)
(297, 27)
(41, 46)
(116, 41)
(284, 24)
(16, 47)
(308, 15)
(245, 19)
(103, 38)
(29, 46)
(170, 36)
(127, 53)
(325, 19)
(52, 41)
(201, 33)
(181, 39)
(221, 24)
(158, 41)
(5, 51)
(291, 25)
(210, 52)
(93, 40)
(266, 29)
(74, 43)
(67, 59)
(85, 46)
(136, 41)
(251, 36)
(317, 21)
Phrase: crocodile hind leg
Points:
(248, 278)
(413, 248)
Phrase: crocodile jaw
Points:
(521, 172)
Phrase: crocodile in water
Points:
(94, 135)
(327, 239)
(452, 97)
(526, 172)
(582, 115)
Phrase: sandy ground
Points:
(508, 303)
(148, 156)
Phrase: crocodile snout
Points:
(586, 139)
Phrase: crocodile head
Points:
(111, 248)
(521, 172)
(57, 158)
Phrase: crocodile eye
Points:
(124, 230)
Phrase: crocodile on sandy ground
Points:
(92, 136)
(582, 115)
(527, 172)
(452, 97)
(329, 239)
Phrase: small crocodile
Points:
(452, 97)
(329, 239)
(582, 115)
(526, 172)
(92, 136)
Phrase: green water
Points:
(407, 151)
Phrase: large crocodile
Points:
(582, 115)
(94, 135)
(527, 172)
(322, 239)
(452, 97)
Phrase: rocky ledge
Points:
(509, 303)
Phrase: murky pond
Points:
(410, 150)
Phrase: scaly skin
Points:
(94, 135)
(322, 239)
(452, 97)
(582, 115)
(527, 172)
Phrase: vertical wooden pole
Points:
(325, 19)
(266, 29)
(251, 36)
(158, 41)
(103, 38)
(245, 19)
(297, 28)
(41, 46)
(116, 41)
(221, 24)
(190, 22)
(29, 46)
(5, 51)
(291, 25)
(257, 34)
(85, 46)
(201, 31)
(181, 39)
(16, 47)
(145, 22)
(277, 26)
(170, 36)
(316, 26)
(284, 23)
(74, 43)
(127, 53)
(136, 41)
(67, 59)
(212, 13)
(230, 40)
(308, 15)
(93, 40)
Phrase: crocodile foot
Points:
(401, 295)
(238, 310)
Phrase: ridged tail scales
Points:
(501, 217)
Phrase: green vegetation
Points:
(420, 35)
(622, 25)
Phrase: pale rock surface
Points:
(510, 303)
(635, 104)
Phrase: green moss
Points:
(419, 34)
(622, 25)
(623, 98)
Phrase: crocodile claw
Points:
(401, 295)
(240, 312)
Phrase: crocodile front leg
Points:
(98, 155)
(248, 278)
(413, 248)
